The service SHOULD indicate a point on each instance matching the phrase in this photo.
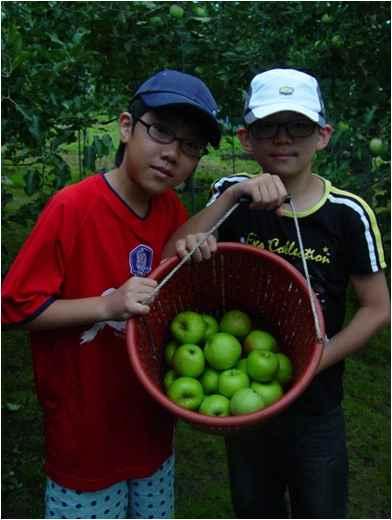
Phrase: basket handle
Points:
(305, 266)
(198, 243)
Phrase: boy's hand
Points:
(203, 252)
(266, 191)
(129, 299)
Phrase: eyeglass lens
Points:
(165, 135)
(293, 129)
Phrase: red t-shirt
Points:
(101, 426)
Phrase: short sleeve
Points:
(220, 185)
(363, 237)
(36, 276)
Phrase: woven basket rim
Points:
(229, 422)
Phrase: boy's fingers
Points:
(268, 192)
(181, 247)
(139, 281)
(140, 308)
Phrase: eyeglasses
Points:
(164, 135)
(293, 128)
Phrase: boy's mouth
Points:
(163, 171)
(283, 155)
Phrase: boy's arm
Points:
(121, 304)
(373, 313)
(266, 191)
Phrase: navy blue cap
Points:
(171, 87)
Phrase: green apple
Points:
(376, 146)
(212, 326)
(209, 381)
(188, 327)
(242, 365)
(337, 41)
(262, 365)
(186, 392)
(326, 18)
(285, 370)
(222, 351)
(176, 11)
(232, 380)
(156, 20)
(236, 323)
(170, 348)
(270, 392)
(215, 405)
(246, 400)
(168, 379)
(199, 11)
(188, 360)
(260, 339)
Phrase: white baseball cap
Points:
(278, 90)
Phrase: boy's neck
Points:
(305, 191)
(135, 198)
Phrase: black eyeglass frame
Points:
(173, 137)
(275, 127)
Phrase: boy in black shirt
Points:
(303, 450)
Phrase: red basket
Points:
(237, 277)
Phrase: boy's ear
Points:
(244, 137)
(325, 135)
(125, 122)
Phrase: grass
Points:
(202, 489)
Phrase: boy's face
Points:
(285, 143)
(152, 163)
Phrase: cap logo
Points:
(286, 91)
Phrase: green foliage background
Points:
(69, 69)
(70, 66)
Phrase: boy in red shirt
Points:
(80, 275)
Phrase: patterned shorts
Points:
(150, 497)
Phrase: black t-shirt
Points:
(340, 237)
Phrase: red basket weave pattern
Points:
(237, 277)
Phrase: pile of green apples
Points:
(223, 368)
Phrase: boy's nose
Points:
(171, 151)
(282, 135)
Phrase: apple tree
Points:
(71, 66)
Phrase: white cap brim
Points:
(256, 113)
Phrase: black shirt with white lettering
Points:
(340, 237)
